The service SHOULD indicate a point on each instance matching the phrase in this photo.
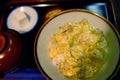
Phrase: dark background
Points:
(116, 6)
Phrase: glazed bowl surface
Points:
(51, 26)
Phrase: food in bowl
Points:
(78, 49)
(53, 12)
(22, 19)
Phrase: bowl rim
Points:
(67, 11)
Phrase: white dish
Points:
(51, 26)
(22, 19)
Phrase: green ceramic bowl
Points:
(43, 61)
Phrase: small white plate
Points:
(22, 19)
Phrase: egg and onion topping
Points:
(78, 49)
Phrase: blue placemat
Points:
(25, 74)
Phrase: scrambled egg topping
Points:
(78, 49)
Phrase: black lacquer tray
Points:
(27, 68)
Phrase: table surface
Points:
(116, 5)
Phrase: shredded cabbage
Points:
(78, 49)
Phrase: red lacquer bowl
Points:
(10, 50)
